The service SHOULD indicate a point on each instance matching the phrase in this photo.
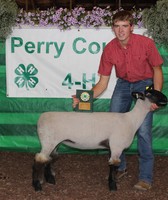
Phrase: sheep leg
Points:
(37, 175)
(49, 174)
(112, 179)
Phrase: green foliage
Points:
(8, 14)
(155, 19)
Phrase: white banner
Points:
(47, 62)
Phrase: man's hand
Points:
(154, 107)
(75, 101)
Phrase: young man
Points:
(138, 65)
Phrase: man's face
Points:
(122, 30)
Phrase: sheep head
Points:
(154, 96)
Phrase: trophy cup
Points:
(85, 100)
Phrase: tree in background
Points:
(8, 14)
(155, 19)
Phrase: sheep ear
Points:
(151, 87)
(138, 95)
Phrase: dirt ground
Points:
(78, 177)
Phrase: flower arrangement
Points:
(155, 19)
(65, 19)
(137, 15)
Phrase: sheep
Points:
(97, 130)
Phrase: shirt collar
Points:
(129, 41)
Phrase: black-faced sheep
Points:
(97, 130)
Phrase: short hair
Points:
(123, 16)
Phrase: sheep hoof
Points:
(112, 186)
(37, 185)
(50, 179)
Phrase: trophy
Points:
(85, 100)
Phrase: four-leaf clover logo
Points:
(26, 76)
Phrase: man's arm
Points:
(101, 85)
(158, 78)
(158, 83)
(98, 89)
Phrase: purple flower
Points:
(64, 19)
(140, 24)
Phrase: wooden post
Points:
(27, 6)
(118, 4)
(33, 4)
(70, 5)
